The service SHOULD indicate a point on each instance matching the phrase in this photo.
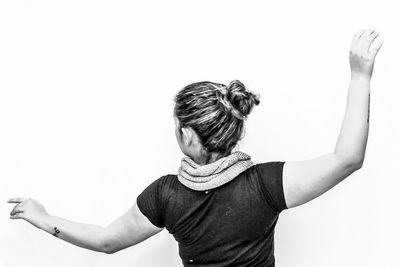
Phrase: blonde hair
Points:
(216, 112)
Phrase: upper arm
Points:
(128, 230)
(308, 179)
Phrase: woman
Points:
(221, 207)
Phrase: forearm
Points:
(129, 229)
(353, 136)
(80, 234)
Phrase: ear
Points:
(187, 135)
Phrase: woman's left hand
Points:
(363, 53)
(30, 210)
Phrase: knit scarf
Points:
(206, 177)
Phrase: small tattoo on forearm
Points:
(56, 232)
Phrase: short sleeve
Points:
(270, 180)
(150, 204)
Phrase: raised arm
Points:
(308, 179)
(128, 230)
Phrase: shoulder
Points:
(167, 180)
(163, 186)
(153, 199)
(268, 178)
(269, 165)
(270, 168)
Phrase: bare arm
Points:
(131, 228)
(308, 179)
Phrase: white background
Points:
(86, 99)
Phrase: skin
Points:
(308, 179)
(190, 145)
(302, 180)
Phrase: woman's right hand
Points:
(30, 210)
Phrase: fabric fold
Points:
(209, 176)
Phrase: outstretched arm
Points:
(308, 179)
(131, 228)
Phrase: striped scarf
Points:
(206, 177)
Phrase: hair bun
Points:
(240, 98)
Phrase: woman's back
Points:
(226, 226)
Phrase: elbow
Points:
(355, 166)
(108, 249)
(353, 163)
(358, 164)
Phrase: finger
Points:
(358, 34)
(15, 210)
(373, 36)
(355, 41)
(364, 42)
(368, 39)
(376, 47)
(17, 216)
(367, 33)
(17, 200)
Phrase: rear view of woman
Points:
(221, 207)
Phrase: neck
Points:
(207, 158)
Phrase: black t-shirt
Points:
(231, 225)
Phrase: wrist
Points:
(360, 77)
(46, 223)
